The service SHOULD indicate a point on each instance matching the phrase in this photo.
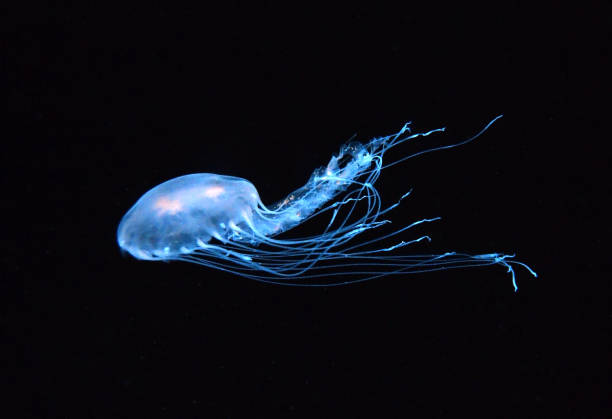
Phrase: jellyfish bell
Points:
(220, 222)
(175, 217)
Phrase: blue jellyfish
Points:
(220, 222)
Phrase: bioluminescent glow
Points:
(220, 222)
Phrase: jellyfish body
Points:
(220, 222)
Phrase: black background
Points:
(111, 102)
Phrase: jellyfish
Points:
(220, 222)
